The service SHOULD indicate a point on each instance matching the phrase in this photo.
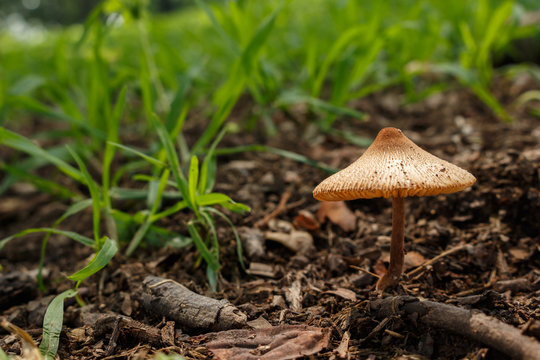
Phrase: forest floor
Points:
(491, 232)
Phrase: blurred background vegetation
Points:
(278, 52)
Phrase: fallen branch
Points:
(189, 310)
(469, 323)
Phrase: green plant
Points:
(196, 194)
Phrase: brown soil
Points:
(319, 286)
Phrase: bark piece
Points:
(280, 342)
(514, 285)
(189, 310)
(472, 324)
(260, 269)
(343, 349)
(116, 327)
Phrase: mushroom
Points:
(394, 167)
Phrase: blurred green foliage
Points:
(323, 53)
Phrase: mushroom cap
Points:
(393, 166)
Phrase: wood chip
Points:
(344, 293)
(260, 269)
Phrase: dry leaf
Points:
(413, 259)
(276, 343)
(338, 213)
(379, 268)
(29, 349)
(259, 323)
(306, 220)
(344, 293)
(519, 254)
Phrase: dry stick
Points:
(436, 258)
(395, 269)
(281, 207)
(472, 324)
(365, 271)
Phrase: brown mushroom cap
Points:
(393, 166)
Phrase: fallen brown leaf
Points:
(276, 343)
(338, 213)
(519, 254)
(413, 259)
(344, 293)
(379, 268)
(306, 220)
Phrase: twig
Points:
(366, 271)
(114, 337)
(471, 324)
(483, 287)
(281, 207)
(436, 258)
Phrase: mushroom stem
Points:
(397, 253)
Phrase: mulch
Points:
(312, 277)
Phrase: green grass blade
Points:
(94, 193)
(43, 185)
(72, 210)
(100, 260)
(52, 325)
(19, 142)
(291, 98)
(150, 159)
(211, 260)
(141, 232)
(217, 26)
(239, 250)
(70, 234)
(193, 179)
(35, 106)
(333, 53)
(25, 166)
(4, 356)
(181, 205)
(223, 200)
(139, 194)
(207, 177)
(285, 153)
(249, 55)
(172, 157)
